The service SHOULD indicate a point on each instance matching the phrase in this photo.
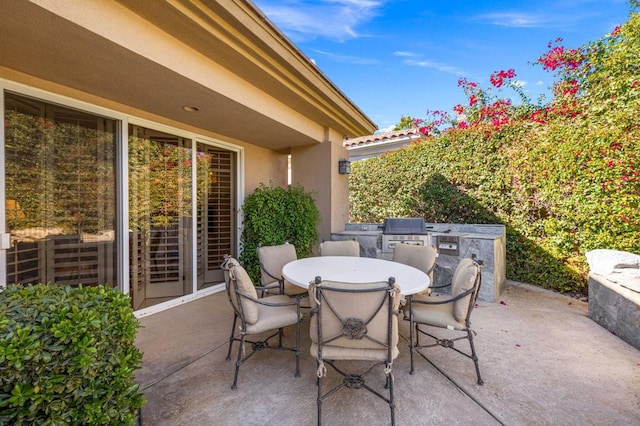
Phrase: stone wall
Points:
(614, 293)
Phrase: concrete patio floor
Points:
(542, 359)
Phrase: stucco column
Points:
(315, 167)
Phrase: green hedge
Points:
(274, 215)
(67, 356)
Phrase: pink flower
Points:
(473, 99)
(497, 78)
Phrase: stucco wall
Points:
(262, 166)
(315, 167)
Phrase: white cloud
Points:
(439, 66)
(405, 54)
(356, 60)
(513, 19)
(332, 19)
(386, 129)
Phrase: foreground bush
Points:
(67, 356)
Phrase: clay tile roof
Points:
(381, 137)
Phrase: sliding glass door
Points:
(160, 216)
(60, 194)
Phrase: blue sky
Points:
(394, 58)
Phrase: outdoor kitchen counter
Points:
(487, 242)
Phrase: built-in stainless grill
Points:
(405, 230)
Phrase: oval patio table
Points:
(351, 269)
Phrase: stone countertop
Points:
(473, 235)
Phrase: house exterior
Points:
(368, 146)
(134, 130)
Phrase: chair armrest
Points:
(444, 301)
(439, 286)
(267, 287)
(293, 302)
(279, 279)
(270, 274)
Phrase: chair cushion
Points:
(440, 315)
(273, 259)
(340, 248)
(226, 265)
(354, 305)
(292, 289)
(420, 257)
(352, 354)
(273, 317)
(245, 285)
(464, 278)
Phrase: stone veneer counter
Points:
(484, 241)
(615, 307)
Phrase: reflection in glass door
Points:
(160, 216)
(60, 192)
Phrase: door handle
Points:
(5, 241)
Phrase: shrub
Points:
(274, 215)
(67, 356)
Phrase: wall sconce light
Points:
(344, 167)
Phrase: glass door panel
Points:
(216, 211)
(160, 219)
(60, 191)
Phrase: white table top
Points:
(301, 272)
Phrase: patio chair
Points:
(420, 257)
(258, 316)
(451, 314)
(340, 248)
(272, 260)
(354, 322)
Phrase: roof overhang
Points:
(247, 79)
(369, 146)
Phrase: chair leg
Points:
(233, 329)
(474, 356)
(238, 361)
(392, 402)
(297, 349)
(319, 399)
(412, 332)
